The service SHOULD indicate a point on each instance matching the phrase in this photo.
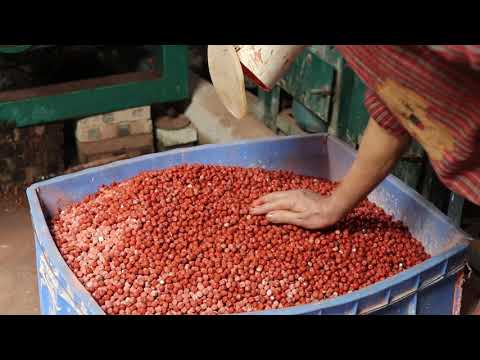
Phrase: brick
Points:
(7, 150)
(28, 153)
(5, 178)
(93, 151)
(135, 121)
(175, 138)
(31, 173)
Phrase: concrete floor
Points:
(18, 283)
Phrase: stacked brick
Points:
(29, 154)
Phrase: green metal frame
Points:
(310, 82)
(271, 106)
(13, 49)
(167, 83)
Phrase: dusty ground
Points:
(18, 283)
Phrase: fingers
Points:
(268, 198)
(258, 202)
(268, 207)
(284, 217)
(270, 202)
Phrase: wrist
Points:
(338, 205)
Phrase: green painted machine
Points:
(328, 97)
(164, 80)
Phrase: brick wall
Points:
(27, 155)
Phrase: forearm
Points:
(378, 154)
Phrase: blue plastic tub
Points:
(433, 287)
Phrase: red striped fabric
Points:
(444, 112)
(461, 54)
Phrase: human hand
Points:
(303, 208)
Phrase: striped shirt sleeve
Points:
(382, 115)
(461, 54)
